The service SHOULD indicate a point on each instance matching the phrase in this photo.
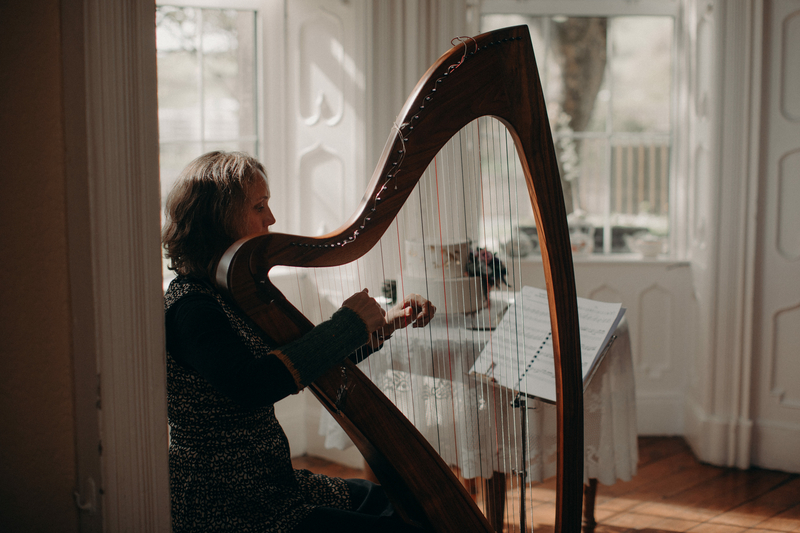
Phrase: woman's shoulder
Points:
(183, 286)
(193, 295)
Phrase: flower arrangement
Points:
(484, 264)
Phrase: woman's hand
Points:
(368, 309)
(414, 310)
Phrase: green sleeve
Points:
(327, 344)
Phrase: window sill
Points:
(612, 259)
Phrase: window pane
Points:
(177, 38)
(173, 157)
(577, 66)
(228, 74)
(641, 64)
(239, 145)
(640, 183)
(590, 185)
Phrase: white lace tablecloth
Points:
(474, 424)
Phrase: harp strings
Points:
(467, 199)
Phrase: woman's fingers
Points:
(368, 309)
(414, 309)
(425, 315)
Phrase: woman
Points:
(230, 467)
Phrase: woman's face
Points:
(258, 215)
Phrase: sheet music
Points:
(519, 354)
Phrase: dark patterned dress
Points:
(230, 467)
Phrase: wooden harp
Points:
(493, 74)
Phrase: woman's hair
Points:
(205, 211)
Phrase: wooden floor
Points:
(671, 492)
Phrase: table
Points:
(474, 424)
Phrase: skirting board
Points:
(774, 446)
(718, 440)
(659, 414)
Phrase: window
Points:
(207, 90)
(609, 85)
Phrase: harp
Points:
(491, 75)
